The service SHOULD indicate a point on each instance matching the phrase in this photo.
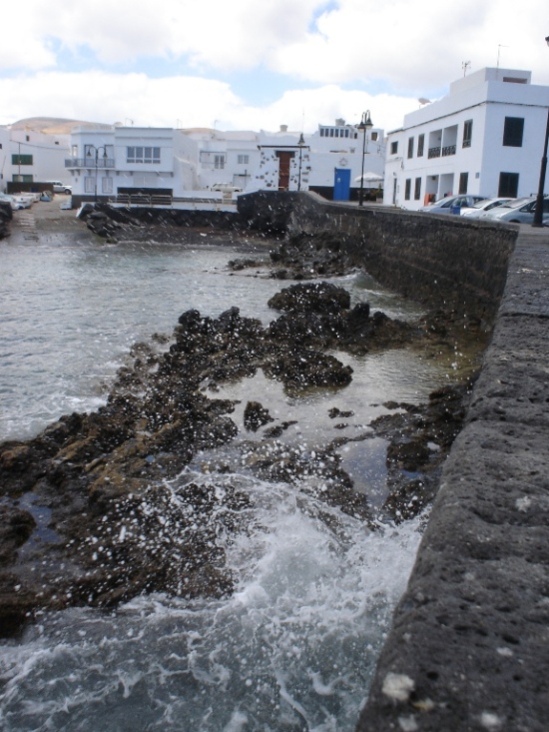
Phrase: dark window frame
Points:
(410, 147)
(463, 183)
(513, 131)
(420, 146)
(467, 133)
(508, 184)
(407, 189)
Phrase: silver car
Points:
(481, 209)
(520, 211)
(452, 204)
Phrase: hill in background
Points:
(54, 125)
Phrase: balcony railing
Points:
(89, 162)
(436, 152)
(449, 150)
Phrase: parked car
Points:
(480, 209)
(452, 204)
(23, 200)
(520, 211)
(59, 187)
(15, 205)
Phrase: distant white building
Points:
(486, 137)
(29, 156)
(330, 161)
(177, 165)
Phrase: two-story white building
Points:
(179, 164)
(28, 156)
(486, 137)
(331, 161)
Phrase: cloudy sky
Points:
(254, 64)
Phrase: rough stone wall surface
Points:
(443, 261)
(469, 647)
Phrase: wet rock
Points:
(305, 368)
(321, 297)
(103, 477)
(255, 416)
(16, 526)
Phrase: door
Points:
(284, 161)
(342, 184)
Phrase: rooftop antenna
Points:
(500, 46)
(465, 65)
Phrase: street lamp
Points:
(365, 125)
(301, 145)
(89, 155)
(538, 213)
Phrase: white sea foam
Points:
(292, 648)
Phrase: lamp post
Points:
(301, 145)
(365, 125)
(89, 155)
(538, 213)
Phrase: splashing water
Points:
(292, 649)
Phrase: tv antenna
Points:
(465, 65)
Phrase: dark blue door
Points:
(342, 184)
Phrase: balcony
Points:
(90, 162)
(437, 152)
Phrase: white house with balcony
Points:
(486, 138)
(177, 167)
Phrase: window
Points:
(410, 147)
(407, 189)
(243, 159)
(21, 159)
(463, 181)
(508, 184)
(394, 148)
(417, 189)
(513, 131)
(467, 133)
(420, 145)
(107, 184)
(89, 184)
(22, 178)
(219, 162)
(373, 137)
(145, 155)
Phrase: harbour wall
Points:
(468, 648)
(442, 261)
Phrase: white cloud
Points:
(187, 102)
(330, 58)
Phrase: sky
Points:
(254, 64)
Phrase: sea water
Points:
(295, 646)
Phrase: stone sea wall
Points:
(468, 647)
(444, 262)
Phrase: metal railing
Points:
(89, 162)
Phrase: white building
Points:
(175, 166)
(330, 161)
(28, 156)
(486, 137)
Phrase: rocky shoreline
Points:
(91, 514)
